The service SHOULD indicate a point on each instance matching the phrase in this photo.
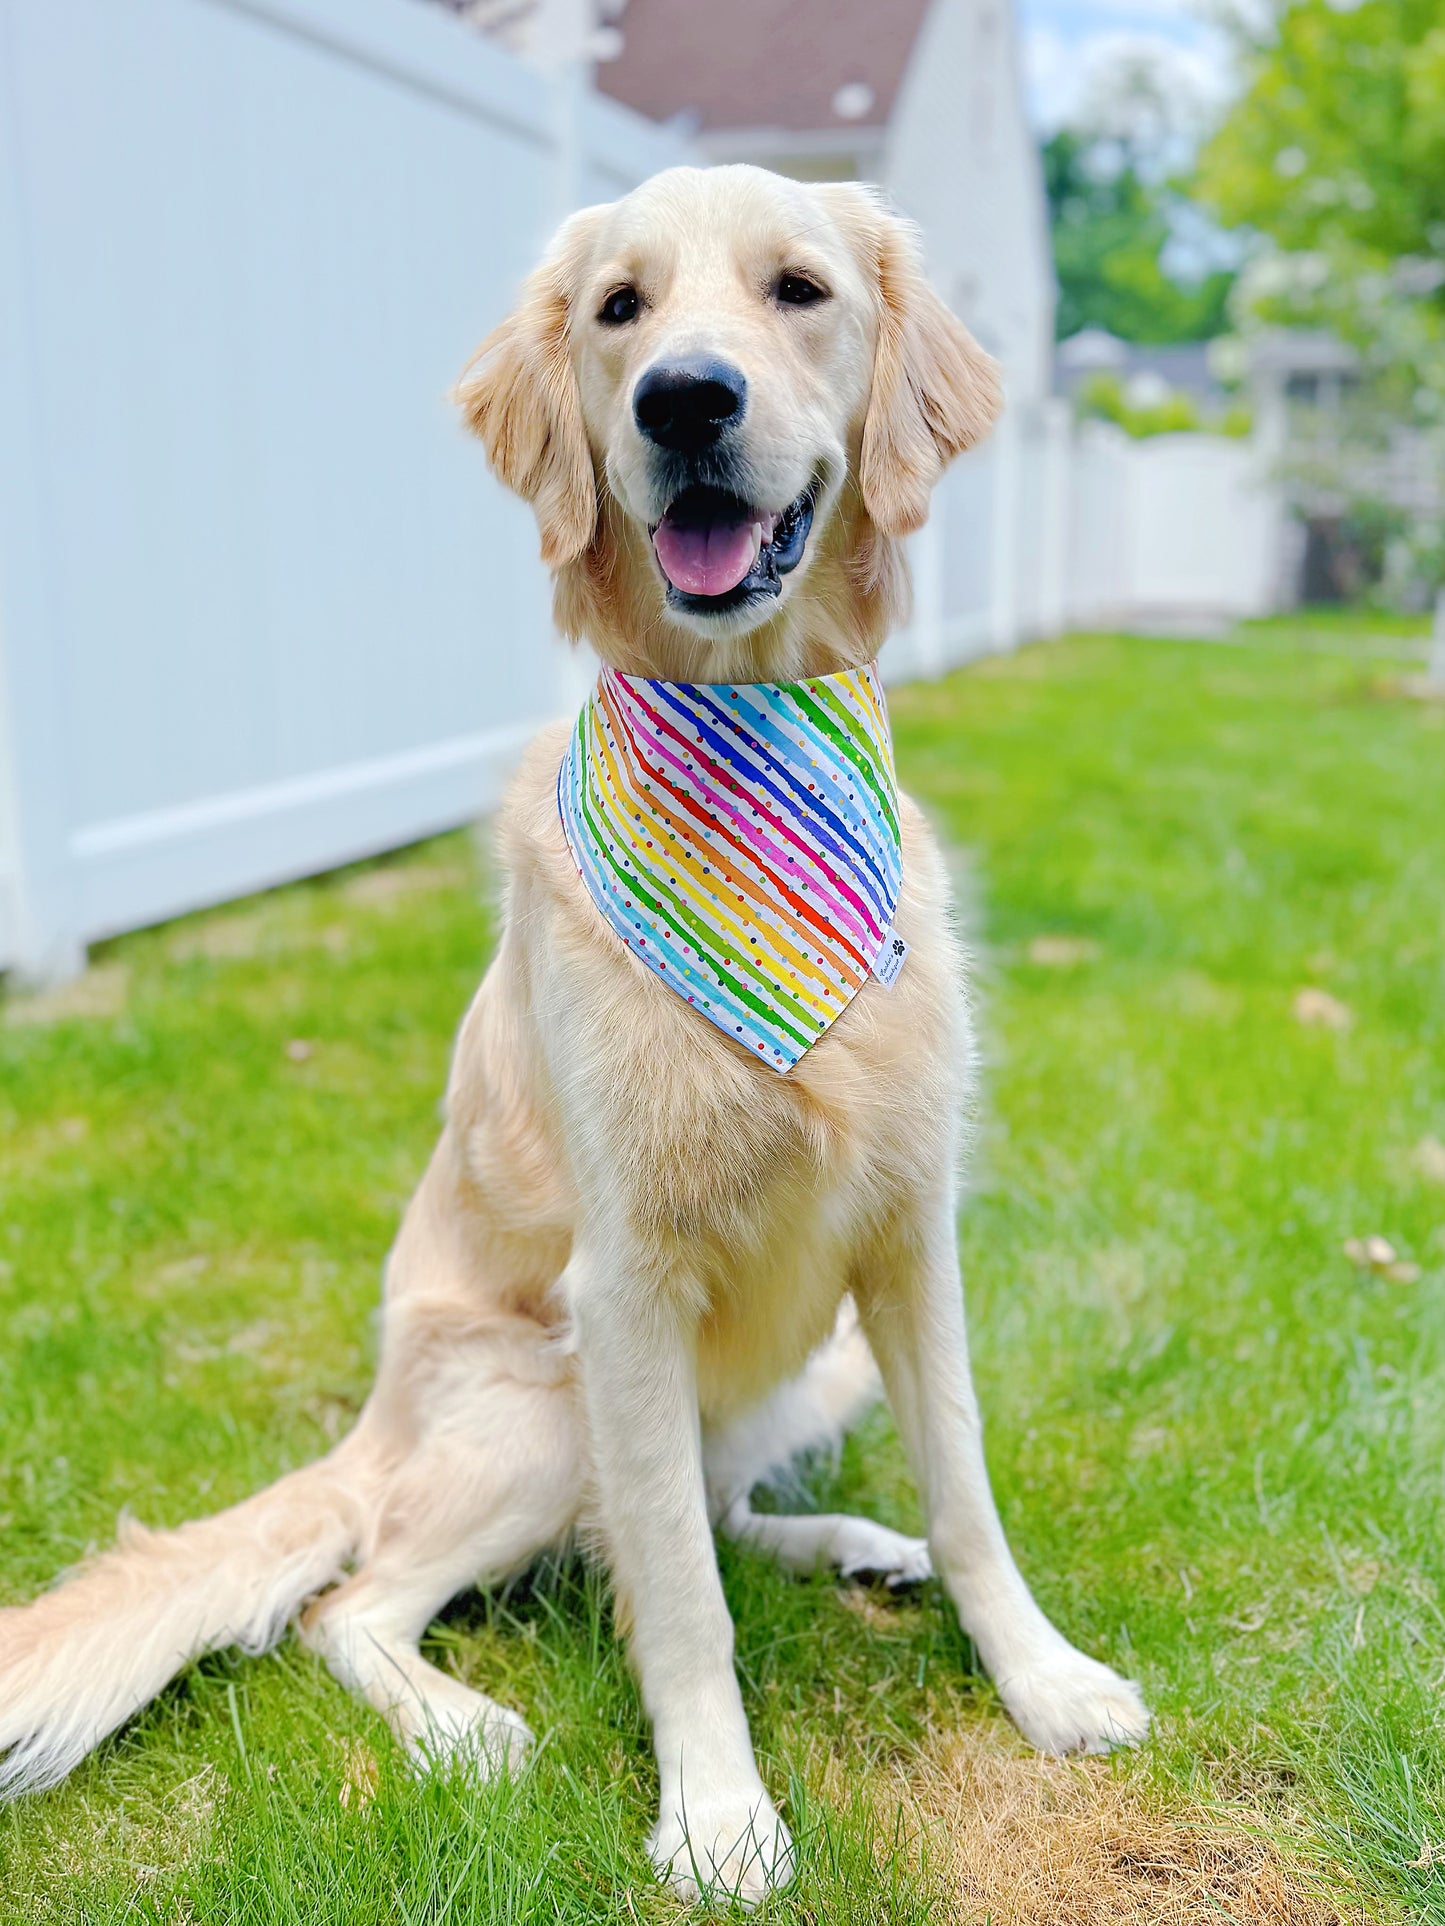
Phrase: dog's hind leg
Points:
(834, 1388)
(478, 1445)
(831, 1541)
(479, 1467)
(482, 1495)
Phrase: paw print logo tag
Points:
(888, 964)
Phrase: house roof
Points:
(801, 66)
(1300, 351)
(1187, 366)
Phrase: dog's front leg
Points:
(911, 1303)
(717, 1829)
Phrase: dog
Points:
(645, 1264)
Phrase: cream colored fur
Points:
(640, 1269)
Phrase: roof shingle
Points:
(763, 63)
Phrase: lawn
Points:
(1206, 886)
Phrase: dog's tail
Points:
(82, 1658)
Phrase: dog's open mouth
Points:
(716, 552)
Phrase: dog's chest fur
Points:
(755, 1193)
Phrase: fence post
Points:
(927, 625)
(560, 42)
(1435, 667)
(1004, 544)
(1055, 506)
(37, 873)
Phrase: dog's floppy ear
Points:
(519, 393)
(935, 392)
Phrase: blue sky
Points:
(1067, 43)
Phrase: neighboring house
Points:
(1147, 375)
(1318, 445)
(922, 96)
(925, 98)
(1295, 374)
(1317, 431)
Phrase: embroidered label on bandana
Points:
(742, 840)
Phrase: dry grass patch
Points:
(393, 883)
(149, 1835)
(1063, 952)
(99, 992)
(267, 931)
(1022, 1840)
(1313, 1006)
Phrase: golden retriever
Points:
(642, 1269)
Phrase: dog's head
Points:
(726, 396)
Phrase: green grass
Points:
(1217, 1446)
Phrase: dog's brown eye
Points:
(797, 291)
(621, 305)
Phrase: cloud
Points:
(1073, 57)
(1176, 19)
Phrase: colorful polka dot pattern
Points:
(742, 840)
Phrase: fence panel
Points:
(1098, 511)
(263, 610)
(1202, 528)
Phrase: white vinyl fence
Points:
(1169, 529)
(1051, 526)
(261, 609)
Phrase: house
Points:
(1320, 433)
(1300, 379)
(1147, 375)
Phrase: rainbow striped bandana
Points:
(742, 839)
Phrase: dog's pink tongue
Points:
(705, 561)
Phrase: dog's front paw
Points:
(719, 1846)
(1068, 1702)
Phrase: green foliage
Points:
(1216, 1445)
(1110, 227)
(1338, 142)
(1102, 397)
(1336, 152)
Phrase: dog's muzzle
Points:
(717, 549)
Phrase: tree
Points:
(1335, 153)
(1337, 144)
(1111, 228)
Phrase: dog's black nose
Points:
(685, 405)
